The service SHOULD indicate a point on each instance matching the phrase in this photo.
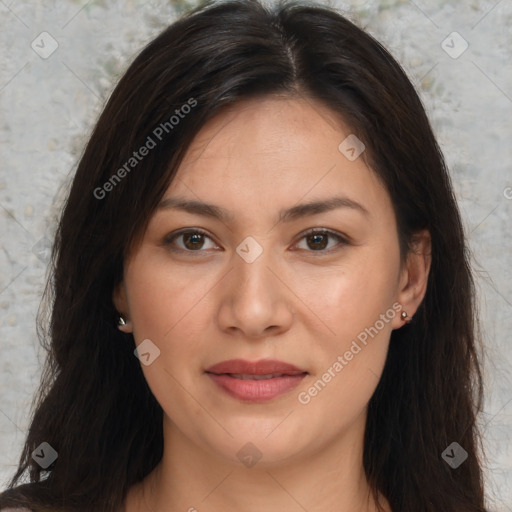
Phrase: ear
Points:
(121, 304)
(414, 276)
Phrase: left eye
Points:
(318, 239)
(193, 240)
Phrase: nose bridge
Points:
(254, 298)
(251, 264)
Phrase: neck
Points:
(190, 478)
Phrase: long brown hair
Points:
(94, 406)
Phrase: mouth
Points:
(258, 381)
(245, 376)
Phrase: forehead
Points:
(273, 150)
(264, 126)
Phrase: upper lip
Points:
(261, 367)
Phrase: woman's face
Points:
(254, 285)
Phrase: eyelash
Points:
(169, 239)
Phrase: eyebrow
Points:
(286, 215)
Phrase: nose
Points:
(255, 302)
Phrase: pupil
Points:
(316, 238)
(196, 240)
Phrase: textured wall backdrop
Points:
(60, 60)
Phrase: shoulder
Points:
(23, 509)
(15, 510)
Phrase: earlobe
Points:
(124, 325)
(121, 305)
(414, 279)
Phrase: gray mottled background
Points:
(49, 102)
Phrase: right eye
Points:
(192, 240)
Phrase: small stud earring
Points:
(405, 317)
(121, 320)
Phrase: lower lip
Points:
(252, 390)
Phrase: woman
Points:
(261, 292)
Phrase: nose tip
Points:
(253, 299)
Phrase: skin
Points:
(295, 302)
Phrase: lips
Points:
(256, 381)
(264, 367)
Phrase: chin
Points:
(260, 447)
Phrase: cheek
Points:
(169, 308)
(353, 300)
(172, 307)
(352, 295)
(347, 367)
(162, 299)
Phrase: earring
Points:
(404, 317)
(121, 320)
